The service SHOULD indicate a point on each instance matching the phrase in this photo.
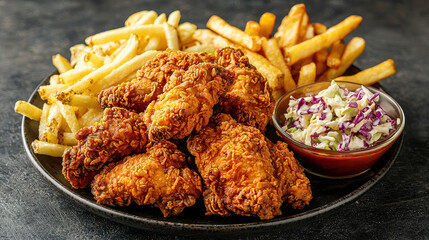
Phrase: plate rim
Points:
(178, 227)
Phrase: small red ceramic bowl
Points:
(330, 163)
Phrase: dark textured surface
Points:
(397, 207)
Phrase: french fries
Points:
(50, 149)
(352, 51)
(307, 74)
(252, 28)
(298, 53)
(28, 110)
(371, 75)
(234, 34)
(289, 30)
(62, 64)
(274, 55)
(107, 59)
(324, 40)
(266, 24)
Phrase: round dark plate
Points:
(327, 195)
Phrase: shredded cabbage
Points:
(338, 119)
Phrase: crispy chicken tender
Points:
(245, 173)
(248, 99)
(159, 177)
(188, 105)
(151, 79)
(118, 134)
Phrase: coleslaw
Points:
(338, 119)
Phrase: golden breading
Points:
(159, 177)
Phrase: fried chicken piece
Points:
(245, 173)
(187, 106)
(295, 185)
(159, 177)
(248, 99)
(119, 133)
(151, 79)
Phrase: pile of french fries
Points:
(299, 53)
(107, 59)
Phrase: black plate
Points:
(327, 195)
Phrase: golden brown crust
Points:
(244, 173)
(159, 177)
(248, 99)
(151, 79)
(187, 106)
(118, 134)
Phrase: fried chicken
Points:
(248, 99)
(245, 173)
(151, 79)
(187, 106)
(159, 177)
(118, 134)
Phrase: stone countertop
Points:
(397, 207)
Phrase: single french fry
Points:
(147, 18)
(62, 64)
(221, 42)
(46, 91)
(252, 28)
(266, 23)
(89, 80)
(324, 40)
(309, 33)
(90, 117)
(371, 75)
(117, 75)
(289, 30)
(307, 74)
(79, 100)
(131, 20)
(68, 138)
(43, 120)
(296, 68)
(75, 75)
(334, 57)
(28, 110)
(124, 33)
(162, 18)
(53, 124)
(70, 116)
(55, 79)
(171, 36)
(234, 34)
(118, 50)
(208, 48)
(186, 31)
(273, 53)
(303, 27)
(353, 50)
(319, 28)
(154, 43)
(273, 75)
(174, 18)
(93, 59)
(46, 148)
(320, 61)
(205, 36)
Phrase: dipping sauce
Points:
(338, 119)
